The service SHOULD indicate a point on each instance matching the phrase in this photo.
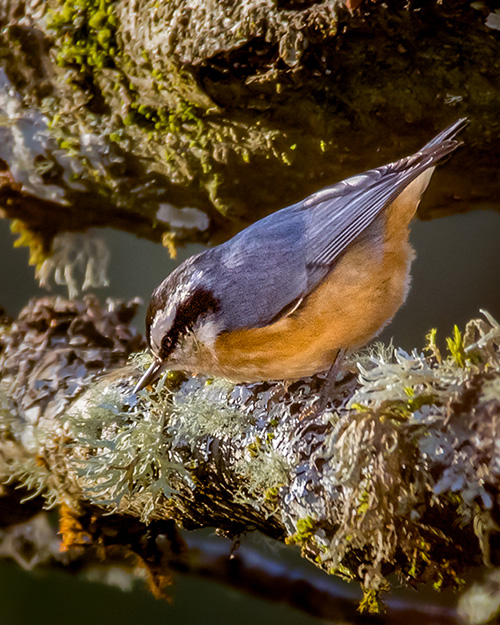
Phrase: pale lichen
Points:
(205, 413)
(123, 452)
(30, 472)
(77, 261)
(480, 603)
(399, 474)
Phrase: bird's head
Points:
(178, 309)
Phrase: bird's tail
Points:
(448, 135)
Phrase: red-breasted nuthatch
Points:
(280, 299)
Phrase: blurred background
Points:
(51, 597)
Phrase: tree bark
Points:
(398, 475)
(184, 119)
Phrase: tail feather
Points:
(448, 134)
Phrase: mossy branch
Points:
(166, 120)
(399, 474)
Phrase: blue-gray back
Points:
(266, 269)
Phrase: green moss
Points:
(399, 410)
(255, 447)
(343, 572)
(455, 345)
(269, 437)
(364, 504)
(420, 559)
(415, 402)
(448, 576)
(371, 602)
(306, 528)
(359, 407)
(85, 32)
(272, 493)
(162, 119)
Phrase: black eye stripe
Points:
(187, 314)
(166, 342)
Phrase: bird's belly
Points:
(352, 304)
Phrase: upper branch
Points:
(169, 120)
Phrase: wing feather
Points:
(270, 267)
(337, 215)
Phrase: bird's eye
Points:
(166, 343)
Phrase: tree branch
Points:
(173, 123)
(398, 475)
(35, 543)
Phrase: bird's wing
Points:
(270, 266)
(260, 272)
(337, 215)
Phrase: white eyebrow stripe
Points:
(162, 324)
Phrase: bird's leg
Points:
(327, 387)
(331, 378)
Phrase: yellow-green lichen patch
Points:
(38, 250)
(306, 528)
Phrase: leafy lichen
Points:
(399, 474)
(121, 452)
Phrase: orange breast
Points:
(351, 305)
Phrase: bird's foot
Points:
(327, 388)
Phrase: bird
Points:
(288, 295)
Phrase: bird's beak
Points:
(151, 375)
